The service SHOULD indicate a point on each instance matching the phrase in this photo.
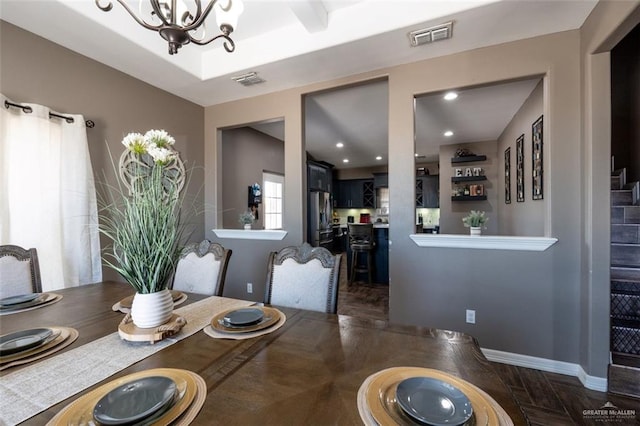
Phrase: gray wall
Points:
(524, 218)
(526, 302)
(37, 71)
(246, 153)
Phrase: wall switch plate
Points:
(471, 316)
(249, 288)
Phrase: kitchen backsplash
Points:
(429, 216)
(344, 213)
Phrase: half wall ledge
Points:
(257, 234)
(483, 242)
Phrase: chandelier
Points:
(179, 26)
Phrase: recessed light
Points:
(448, 133)
(450, 96)
(378, 158)
(346, 160)
(339, 144)
(415, 155)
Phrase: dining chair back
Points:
(202, 268)
(19, 271)
(304, 277)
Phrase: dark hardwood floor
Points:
(547, 399)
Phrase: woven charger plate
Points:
(272, 314)
(211, 332)
(192, 387)
(66, 337)
(48, 299)
(381, 396)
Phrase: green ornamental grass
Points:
(475, 219)
(143, 221)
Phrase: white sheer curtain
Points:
(47, 194)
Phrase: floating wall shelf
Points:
(467, 178)
(469, 198)
(468, 159)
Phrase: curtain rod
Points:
(27, 109)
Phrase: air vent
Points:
(248, 79)
(429, 35)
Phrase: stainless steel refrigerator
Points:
(320, 222)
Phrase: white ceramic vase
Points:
(152, 309)
(247, 226)
(475, 230)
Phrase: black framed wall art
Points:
(507, 176)
(536, 160)
(520, 169)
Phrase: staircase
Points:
(624, 370)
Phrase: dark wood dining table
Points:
(308, 372)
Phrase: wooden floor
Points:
(545, 398)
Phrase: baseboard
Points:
(549, 365)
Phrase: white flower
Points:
(159, 138)
(135, 142)
(161, 155)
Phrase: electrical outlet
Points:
(471, 316)
(249, 288)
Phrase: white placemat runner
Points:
(33, 389)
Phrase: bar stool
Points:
(361, 241)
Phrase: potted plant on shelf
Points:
(246, 219)
(475, 221)
(141, 216)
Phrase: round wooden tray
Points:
(128, 331)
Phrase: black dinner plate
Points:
(135, 401)
(433, 401)
(23, 340)
(19, 299)
(39, 300)
(244, 317)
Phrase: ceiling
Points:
(291, 43)
(476, 115)
(357, 118)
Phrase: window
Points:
(272, 198)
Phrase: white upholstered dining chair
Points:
(304, 277)
(202, 268)
(19, 271)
